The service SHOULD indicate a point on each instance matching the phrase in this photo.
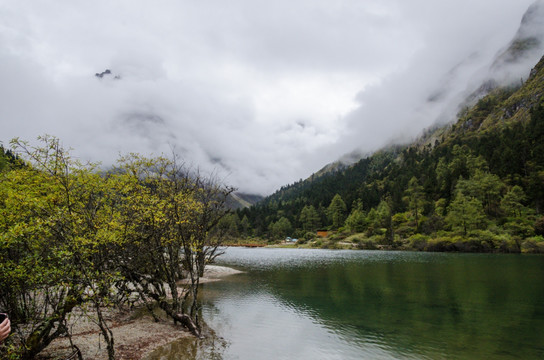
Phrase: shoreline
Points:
(135, 332)
(466, 247)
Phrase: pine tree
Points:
(309, 218)
(337, 211)
(512, 202)
(415, 198)
(465, 213)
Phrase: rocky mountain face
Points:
(511, 66)
(528, 43)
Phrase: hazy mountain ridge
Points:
(238, 200)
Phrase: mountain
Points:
(506, 69)
(475, 185)
(511, 65)
(528, 43)
(237, 200)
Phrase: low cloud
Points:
(261, 92)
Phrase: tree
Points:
(415, 198)
(228, 226)
(309, 218)
(8, 159)
(52, 219)
(245, 225)
(337, 211)
(465, 213)
(356, 221)
(512, 202)
(384, 220)
(169, 215)
(484, 186)
(281, 228)
(69, 235)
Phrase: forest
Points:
(75, 238)
(476, 185)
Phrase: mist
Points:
(261, 93)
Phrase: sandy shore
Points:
(135, 332)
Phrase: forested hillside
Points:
(476, 185)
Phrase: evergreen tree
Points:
(484, 186)
(337, 211)
(512, 202)
(415, 198)
(281, 228)
(309, 218)
(245, 225)
(465, 213)
(356, 221)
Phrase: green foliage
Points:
(465, 213)
(418, 241)
(512, 202)
(70, 235)
(415, 198)
(356, 221)
(281, 228)
(309, 218)
(53, 217)
(337, 211)
(8, 160)
(229, 226)
(483, 186)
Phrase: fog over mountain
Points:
(263, 93)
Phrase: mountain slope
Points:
(237, 200)
(490, 162)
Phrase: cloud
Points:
(262, 92)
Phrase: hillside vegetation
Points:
(476, 185)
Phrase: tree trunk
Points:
(183, 319)
(106, 332)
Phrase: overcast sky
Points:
(263, 92)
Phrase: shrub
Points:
(533, 245)
(330, 245)
(356, 238)
(418, 241)
(443, 243)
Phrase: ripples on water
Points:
(272, 258)
(330, 304)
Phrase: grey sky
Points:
(263, 92)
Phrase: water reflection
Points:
(298, 304)
(261, 325)
(209, 348)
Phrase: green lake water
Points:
(330, 304)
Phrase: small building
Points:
(322, 233)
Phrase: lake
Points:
(334, 304)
